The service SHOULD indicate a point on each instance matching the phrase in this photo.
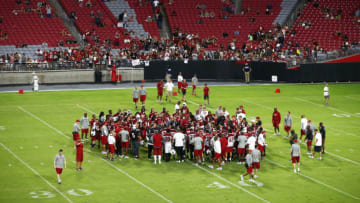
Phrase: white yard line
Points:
(44, 122)
(233, 184)
(353, 98)
(36, 173)
(323, 106)
(86, 109)
(123, 172)
(315, 180)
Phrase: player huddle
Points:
(217, 137)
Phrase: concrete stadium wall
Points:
(62, 77)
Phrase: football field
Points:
(34, 126)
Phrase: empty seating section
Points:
(142, 12)
(188, 16)
(86, 23)
(23, 24)
(322, 29)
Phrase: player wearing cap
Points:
(180, 80)
(303, 127)
(76, 129)
(104, 137)
(217, 156)
(124, 134)
(288, 123)
(206, 94)
(157, 138)
(256, 157)
(195, 82)
(84, 126)
(135, 94)
(249, 168)
(326, 94)
(160, 89)
(169, 88)
(112, 147)
(59, 164)
(184, 87)
(143, 93)
(79, 154)
(318, 143)
(295, 155)
(242, 140)
(276, 119)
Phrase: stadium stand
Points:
(139, 14)
(327, 25)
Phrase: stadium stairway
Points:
(119, 6)
(287, 7)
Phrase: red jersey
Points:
(160, 86)
(276, 118)
(157, 140)
(184, 86)
(79, 148)
(206, 91)
(224, 143)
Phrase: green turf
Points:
(336, 178)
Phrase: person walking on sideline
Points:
(326, 94)
(59, 164)
(295, 155)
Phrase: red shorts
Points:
(287, 128)
(59, 170)
(125, 144)
(93, 138)
(104, 139)
(157, 151)
(295, 159)
(79, 156)
(135, 99)
(194, 87)
(142, 98)
(111, 148)
(160, 93)
(261, 148)
(223, 152)
(229, 149)
(217, 155)
(309, 143)
(198, 152)
(76, 136)
(276, 125)
(302, 132)
(256, 165)
(241, 150)
(249, 169)
(179, 85)
(86, 130)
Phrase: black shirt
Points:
(322, 132)
(134, 134)
(246, 68)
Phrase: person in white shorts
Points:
(326, 94)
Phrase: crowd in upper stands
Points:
(262, 45)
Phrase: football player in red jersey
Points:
(206, 94)
(157, 140)
(184, 86)
(79, 154)
(276, 119)
(160, 89)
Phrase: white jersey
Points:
(177, 106)
(231, 141)
(194, 81)
(169, 86)
(251, 142)
(318, 139)
(111, 140)
(303, 123)
(217, 146)
(261, 139)
(35, 81)
(180, 78)
(326, 91)
(84, 123)
(179, 139)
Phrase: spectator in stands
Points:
(88, 3)
(267, 11)
(48, 11)
(252, 19)
(316, 4)
(92, 14)
(156, 3)
(27, 2)
(159, 19)
(122, 16)
(18, 2)
(200, 21)
(212, 15)
(173, 13)
(97, 21)
(236, 33)
(149, 19)
(357, 12)
(73, 15)
(1, 19)
(200, 6)
(338, 13)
